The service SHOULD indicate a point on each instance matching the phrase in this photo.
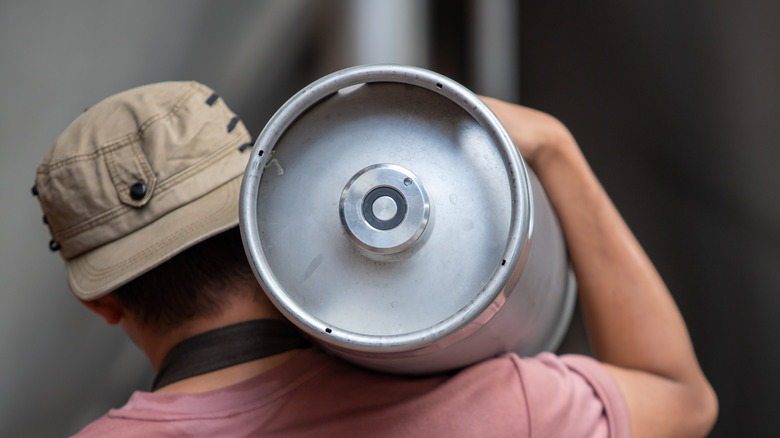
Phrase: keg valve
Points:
(384, 208)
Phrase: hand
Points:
(535, 134)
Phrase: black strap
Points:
(228, 346)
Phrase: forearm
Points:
(631, 318)
(632, 321)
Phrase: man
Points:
(141, 197)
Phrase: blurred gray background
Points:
(675, 104)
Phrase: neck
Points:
(242, 307)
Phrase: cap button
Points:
(138, 191)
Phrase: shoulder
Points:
(572, 393)
(113, 427)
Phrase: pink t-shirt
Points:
(315, 395)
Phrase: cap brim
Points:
(103, 269)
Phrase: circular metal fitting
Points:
(384, 208)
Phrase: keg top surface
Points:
(350, 290)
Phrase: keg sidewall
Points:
(534, 311)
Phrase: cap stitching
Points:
(161, 189)
(120, 209)
(218, 154)
(107, 147)
(129, 137)
(108, 214)
(165, 187)
(163, 242)
(143, 164)
(171, 112)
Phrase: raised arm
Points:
(632, 321)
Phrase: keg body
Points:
(387, 214)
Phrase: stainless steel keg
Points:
(387, 214)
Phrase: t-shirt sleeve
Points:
(572, 396)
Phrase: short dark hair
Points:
(194, 283)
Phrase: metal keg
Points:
(387, 213)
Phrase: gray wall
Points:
(674, 103)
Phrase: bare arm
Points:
(632, 320)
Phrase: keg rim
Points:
(487, 301)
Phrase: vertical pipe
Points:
(387, 31)
(496, 48)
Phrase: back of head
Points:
(198, 283)
(139, 178)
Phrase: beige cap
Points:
(138, 178)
